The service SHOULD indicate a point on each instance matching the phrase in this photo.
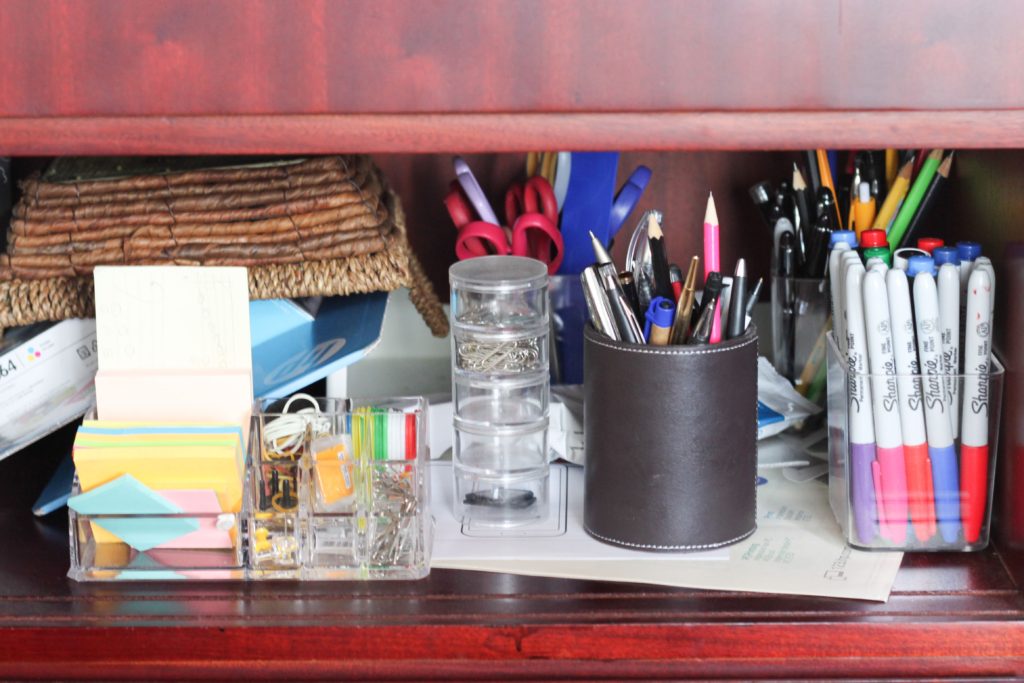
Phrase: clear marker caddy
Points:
(935, 495)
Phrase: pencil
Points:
(803, 211)
(941, 175)
(914, 197)
(897, 191)
(826, 181)
(712, 262)
(659, 259)
(892, 166)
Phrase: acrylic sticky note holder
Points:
(928, 485)
(334, 489)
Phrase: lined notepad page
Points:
(172, 318)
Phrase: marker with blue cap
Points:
(945, 474)
(967, 252)
(921, 264)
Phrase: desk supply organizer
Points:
(321, 226)
(334, 489)
(932, 495)
(501, 389)
(671, 442)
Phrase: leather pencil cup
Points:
(670, 443)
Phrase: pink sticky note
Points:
(199, 502)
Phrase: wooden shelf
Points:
(256, 76)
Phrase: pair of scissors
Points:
(530, 209)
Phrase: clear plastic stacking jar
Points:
(500, 337)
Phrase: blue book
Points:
(344, 330)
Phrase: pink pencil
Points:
(712, 260)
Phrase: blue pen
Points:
(658, 323)
(945, 475)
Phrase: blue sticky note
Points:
(126, 495)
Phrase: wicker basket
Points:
(323, 226)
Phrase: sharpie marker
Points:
(890, 465)
(984, 263)
(864, 482)
(901, 257)
(948, 285)
(974, 440)
(840, 243)
(945, 477)
(921, 498)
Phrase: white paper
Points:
(798, 549)
(172, 318)
(559, 536)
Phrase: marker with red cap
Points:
(929, 244)
(874, 243)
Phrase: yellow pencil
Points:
(897, 192)
(892, 166)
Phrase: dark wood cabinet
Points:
(710, 93)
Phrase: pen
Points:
(945, 477)
(601, 254)
(761, 193)
(864, 491)
(786, 272)
(712, 261)
(885, 404)
(864, 209)
(659, 321)
(629, 289)
(622, 314)
(920, 497)
(597, 304)
(738, 302)
(752, 298)
(659, 260)
(684, 306)
(708, 306)
(974, 439)
(824, 225)
(675, 276)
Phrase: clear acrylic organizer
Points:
(344, 495)
(800, 321)
(926, 496)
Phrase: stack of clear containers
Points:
(500, 389)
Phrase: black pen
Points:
(737, 318)
(786, 272)
(824, 225)
(708, 304)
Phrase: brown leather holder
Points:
(670, 443)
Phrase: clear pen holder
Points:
(800, 322)
(926, 496)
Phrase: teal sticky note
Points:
(126, 495)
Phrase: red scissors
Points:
(532, 211)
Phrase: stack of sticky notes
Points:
(174, 397)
